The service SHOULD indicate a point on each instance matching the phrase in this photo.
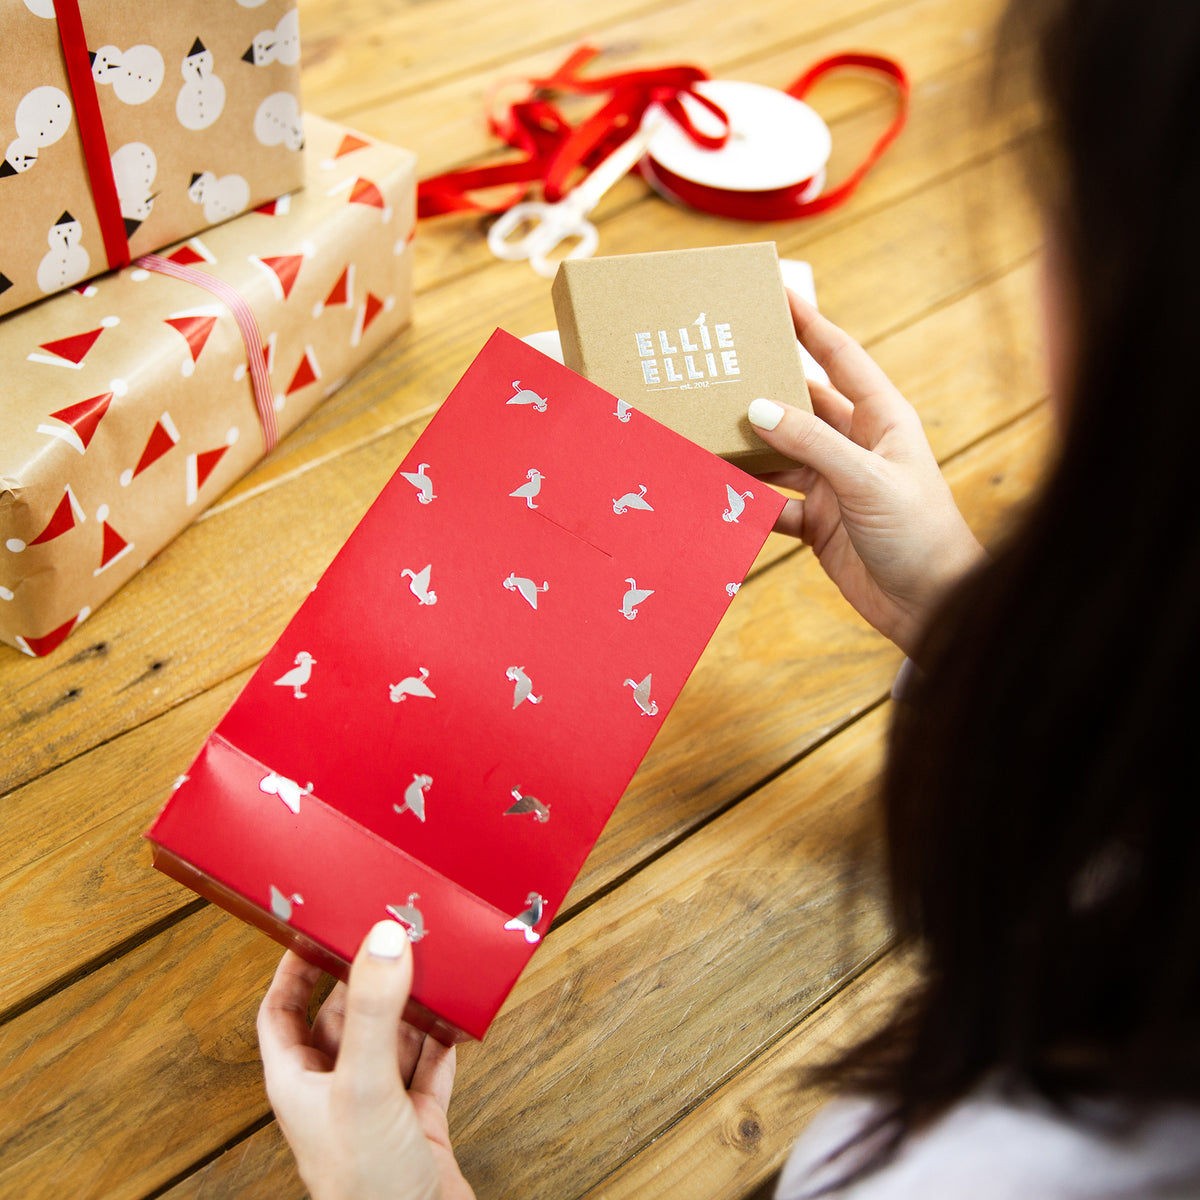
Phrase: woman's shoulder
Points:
(990, 1147)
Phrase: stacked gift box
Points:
(135, 397)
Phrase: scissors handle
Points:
(550, 225)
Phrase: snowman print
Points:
(278, 121)
(43, 115)
(202, 96)
(66, 262)
(222, 198)
(134, 74)
(134, 167)
(281, 44)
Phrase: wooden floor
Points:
(729, 926)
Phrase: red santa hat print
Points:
(79, 422)
(309, 371)
(67, 514)
(113, 547)
(279, 207)
(201, 464)
(349, 143)
(71, 351)
(195, 324)
(370, 308)
(163, 437)
(341, 295)
(281, 271)
(364, 192)
(36, 647)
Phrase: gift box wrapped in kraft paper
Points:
(131, 403)
(688, 336)
(129, 126)
(448, 721)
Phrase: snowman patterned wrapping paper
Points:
(444, 727)
(130, 403)
(200, 107)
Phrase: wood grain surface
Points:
(729, 926)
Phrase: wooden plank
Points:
(444, 124)
(341, 48)
(181, 1006)
(83, 865)
(144, 651)
(596, 1001)
(741, 1135)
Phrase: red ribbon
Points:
(91, 132)
(260, 379)
(553, 149)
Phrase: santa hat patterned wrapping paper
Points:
(129, 404)
(178, 116)
(444, 727)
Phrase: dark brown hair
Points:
(1041, 806)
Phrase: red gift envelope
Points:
(448, 721)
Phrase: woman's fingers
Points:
(434, 1072)
(379, 986)
(811, 442)
(831, 406)
(283, 1031)
(850, 368)
(327, 1028)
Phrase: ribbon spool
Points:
(777, 147)
(772, 166)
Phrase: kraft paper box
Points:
(131, 403)
(448, 721)
(175, 117)
(689, 337)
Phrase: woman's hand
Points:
(361, 1096)
(876, 509)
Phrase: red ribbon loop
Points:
(91, 132)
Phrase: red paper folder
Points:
(446, 724)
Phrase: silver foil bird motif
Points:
(414, 797)
(410, 916)
(525, 921)
(413, 685)
(528, 804)
(526, 396)
(737, 503)
(288, 790)
(527, 491)
(298, 676)
(419, 584)
(526, 587)
(633, 500)
(632, 598)
(421, 481)
(641, 693)
(281, 905)
(522, 687)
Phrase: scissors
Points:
(552, 224)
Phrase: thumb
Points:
(812, 442)
(378, 989)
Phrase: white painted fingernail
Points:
(766, 414)
(387, 939)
